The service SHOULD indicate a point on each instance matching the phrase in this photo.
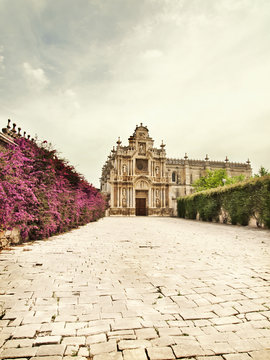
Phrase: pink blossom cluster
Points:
(42, 194)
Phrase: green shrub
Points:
(181, 210)
(239, 201)
(208, 207)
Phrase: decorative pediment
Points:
(141, 132)
(142, 183)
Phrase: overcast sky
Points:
(81, 73)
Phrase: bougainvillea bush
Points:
(42, 194)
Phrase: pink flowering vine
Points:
(42, 194)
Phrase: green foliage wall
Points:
(236, 203)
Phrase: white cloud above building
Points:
(35, 77)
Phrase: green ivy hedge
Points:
(236, 203)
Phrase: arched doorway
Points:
(142, 197)
(141, 203)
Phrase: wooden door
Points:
(140, 207)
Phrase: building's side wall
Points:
(186, 174)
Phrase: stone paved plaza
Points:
(138, 288)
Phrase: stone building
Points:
(139, 179)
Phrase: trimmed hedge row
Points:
(235, 204)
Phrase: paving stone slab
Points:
(95, 339)
(106, 347)
(146, 334)
(17, 353)
(135, 354)
(18, 343)
(43, 340)
(46, 358)
(126, 324)
(109, 356)
(51, 350)
(201, 289)
(190, 350)
(241, 356)
(260, 355)
(133, 344)
(73, 340)
(160, 353)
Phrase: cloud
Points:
(36, 77)
(152, 54)
(71, 99)
(195, 72)
(70, 93)
(2, 66)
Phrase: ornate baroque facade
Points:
(140, 180)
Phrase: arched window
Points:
(173, 176)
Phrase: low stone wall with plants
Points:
(240, 203)
(42, 195)
(10, 237)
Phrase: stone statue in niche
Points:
(142, 148)
(124, 202)
(157, 193)
(124, 169)
(124, 192)
(157, 202)
(157, 170)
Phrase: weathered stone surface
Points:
(25, 331)
(146, 334)
(51, 350)
(126, 324)
(133, 344)
(189, 350)
(148, 272)
(93, 330)
(12, 353)
(47, 358)
(109, 356)
(19, 343)
(242, 356)
(134, 354)
(260, 355)
(73, 340)
(42, 340)
(95, 339)
(160, 353)
(83, 351)
(106, 347)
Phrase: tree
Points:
(216, 178)
(262, 172)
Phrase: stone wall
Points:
(10, 237)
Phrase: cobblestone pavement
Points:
(136, 289)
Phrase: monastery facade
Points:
(140, 180)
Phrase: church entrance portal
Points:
(141, 202)
(141, 207)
